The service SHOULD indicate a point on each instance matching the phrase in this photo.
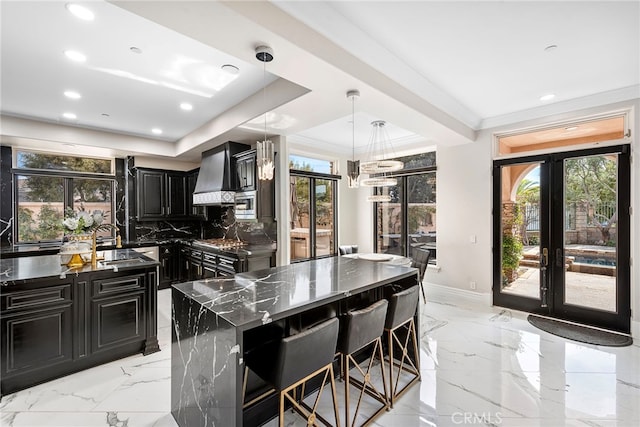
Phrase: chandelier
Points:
(353, 165)
(379, 145)
(265, 156)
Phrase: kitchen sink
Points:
(123, 261)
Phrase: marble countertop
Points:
(35, 267)
(258, 297)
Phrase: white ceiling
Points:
(435, 71)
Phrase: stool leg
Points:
(281, 412)
(345, 377)
(336, 411)
(391, 388)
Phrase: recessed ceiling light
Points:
(186, 106)
(135, 49)
(570, 128)
(230, 69)
(547, 97)
(157, 131)
(72, 95)
(75, 55)
(80, 11)
(70, 116)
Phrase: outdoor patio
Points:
(584, 289)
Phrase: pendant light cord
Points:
(264, 94)
(353, 128)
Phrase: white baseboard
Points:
(442, 293)
(635, 329)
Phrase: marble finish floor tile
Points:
(479, 365)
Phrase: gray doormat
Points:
(579, 333)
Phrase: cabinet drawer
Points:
(116, 285)
(26, 300)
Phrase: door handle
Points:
(544, 259)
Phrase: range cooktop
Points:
(222, 243)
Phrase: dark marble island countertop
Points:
(36, 267)
(259, 297)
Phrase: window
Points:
(311, 165)
(313, 208)
(409, 219)
(42, 194)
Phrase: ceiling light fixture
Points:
(547, 97)
(135, 49)
(571, 128)
(75, 56)
(186, 106)
(380, 146)
(157, 131)
(265, 152)
(551, 48)
(69, 116)
(80, 11)
(72, 94)
(353, 165)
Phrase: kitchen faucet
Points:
(94, 256)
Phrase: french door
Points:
(561, 235)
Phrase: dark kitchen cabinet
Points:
(194, 211)
(176, 194)
(190, 264)
(265, 205)
(56, 326)
(161, 194)
(246, 168)
(36, 326)
(117, 311)
(198, 264)
(169, 268)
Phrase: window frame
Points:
(313, 176)
(403, 176)
(67, 202)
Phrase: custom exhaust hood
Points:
(217, 180)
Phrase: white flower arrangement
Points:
(80, 222)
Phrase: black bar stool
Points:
(420, 260)
(359, 329)
(400, 328)
(293, 361)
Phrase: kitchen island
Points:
(57, 320)
(213, 319)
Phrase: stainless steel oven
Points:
(245, 206)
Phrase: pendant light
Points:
(380, 146)
(353, 165)
(265, 157)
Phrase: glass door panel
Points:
(299, 205)
(520, 232)
(389, 221)
(324, 217)
(421, 212)
(590, 232)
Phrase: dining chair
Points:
(420, 260)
